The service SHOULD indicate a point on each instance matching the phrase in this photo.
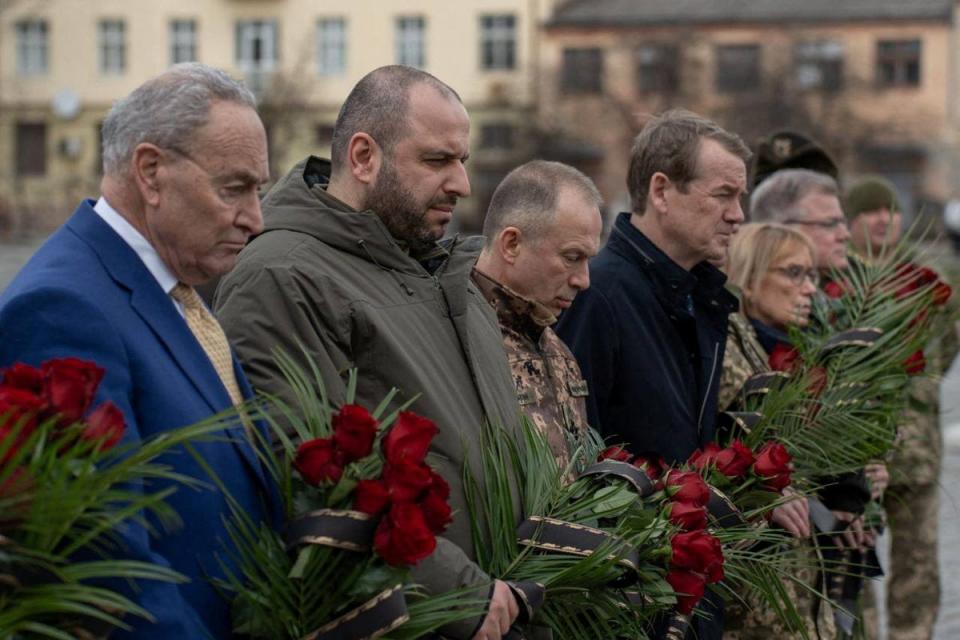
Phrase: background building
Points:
(874, 80)
(63, 63)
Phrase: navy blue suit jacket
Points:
(86, 293)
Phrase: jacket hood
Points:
(299, 202)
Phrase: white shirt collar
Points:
(148, 255)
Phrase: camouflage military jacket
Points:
(549, 385)
(917, 456)
(743, 359)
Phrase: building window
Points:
(331, 46)
(411, 32)
(183, 41)
(898, 63)
(498, 42)
(32, 47)
(818, 64)
(582, 71)
(113, 47)
(31, 150)
(498, 135)
(257, 51)
(658, 68)
(738, 67)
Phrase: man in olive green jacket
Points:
(349, 265)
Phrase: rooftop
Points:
(634, 13)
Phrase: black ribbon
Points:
(377, 616)
(530, 596)
(351, 530)
(636, 477)
(745, 420)
(857, 337)
(549, 534)
(763, 383)
(723, 511)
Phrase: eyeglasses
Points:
(797, 274)
(829, 224)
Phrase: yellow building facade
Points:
(63, 63)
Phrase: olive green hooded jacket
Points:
(335, 280)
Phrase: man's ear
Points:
(508, 244)
(364, 157)
(657, 192)
(147, 167)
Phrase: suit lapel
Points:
(158, 312)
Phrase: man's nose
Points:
(457, 182)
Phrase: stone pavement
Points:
(13, 256)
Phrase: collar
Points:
(704, 282)
(513, 310)
(144, 250)
(768, 336)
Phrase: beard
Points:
(398, 209)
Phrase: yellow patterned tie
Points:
(210, 335)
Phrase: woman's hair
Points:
(756, 246)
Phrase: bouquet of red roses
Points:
(361, 507)
(64, 488)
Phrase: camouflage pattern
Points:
(550, 388)
(912, 499)
(743, 359)
(752, 621)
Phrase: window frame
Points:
(498, 42)
(582, 70)
(33, 47)
(112, 46)
(183, 40)
(738, 82)
(331, 46)
(410, 40)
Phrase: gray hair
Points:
(166, 111)
(527, 197)
(776, 199)
(378, 106)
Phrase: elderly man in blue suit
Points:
(184, 156)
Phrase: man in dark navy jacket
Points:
(649, 335)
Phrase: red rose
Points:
(615, 453)
(689, 587)
(653, 467)
(834, 289)
(104, 425)
(916, 363)
(406, 481)
(371, 496)
(910, 278)
(436, 511)
(687, 516)
(24, 377)
(818, 381)
(784, 358)
(735, 460)
(703, 458)
(18, 411)
(773, 465)
(353, 432)
(403, 536)
(69, 386)
(941, 293)
(317, 462)
(439, 485)
(409, 438)
(689, 487)
(698, 551)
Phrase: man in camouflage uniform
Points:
(542, 226)
(912, 499)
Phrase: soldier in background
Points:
(912, 499)
(542, 227)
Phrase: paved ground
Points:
(12, 257)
